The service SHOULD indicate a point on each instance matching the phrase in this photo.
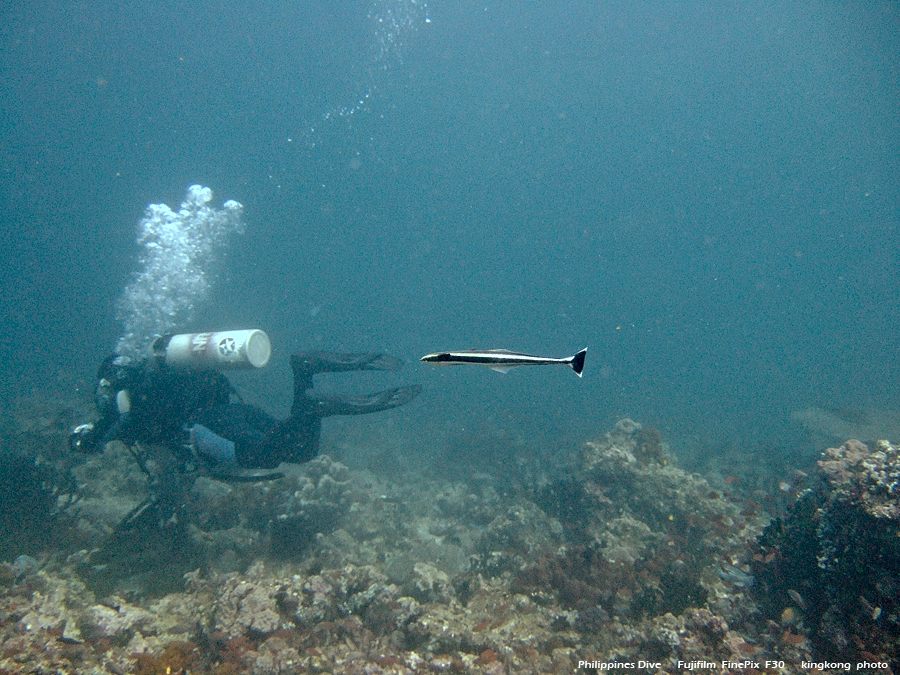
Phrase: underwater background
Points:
(705, 195)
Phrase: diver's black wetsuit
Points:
(155, 404)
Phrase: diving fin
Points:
(329, 405)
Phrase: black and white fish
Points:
(502, 360)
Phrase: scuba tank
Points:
(224, 350)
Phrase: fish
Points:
(735, 575)
(502, 360)
(797, 598)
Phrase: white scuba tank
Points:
(222, 350)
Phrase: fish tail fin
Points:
(577, 362)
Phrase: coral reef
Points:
(645, 538)
(833, 565)
(27, 507)
(328, 569)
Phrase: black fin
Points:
(326, 406)
(577, 362)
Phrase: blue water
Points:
(707, 195)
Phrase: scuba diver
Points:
(196, 413)
(181, 418)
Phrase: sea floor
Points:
(623, 559)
